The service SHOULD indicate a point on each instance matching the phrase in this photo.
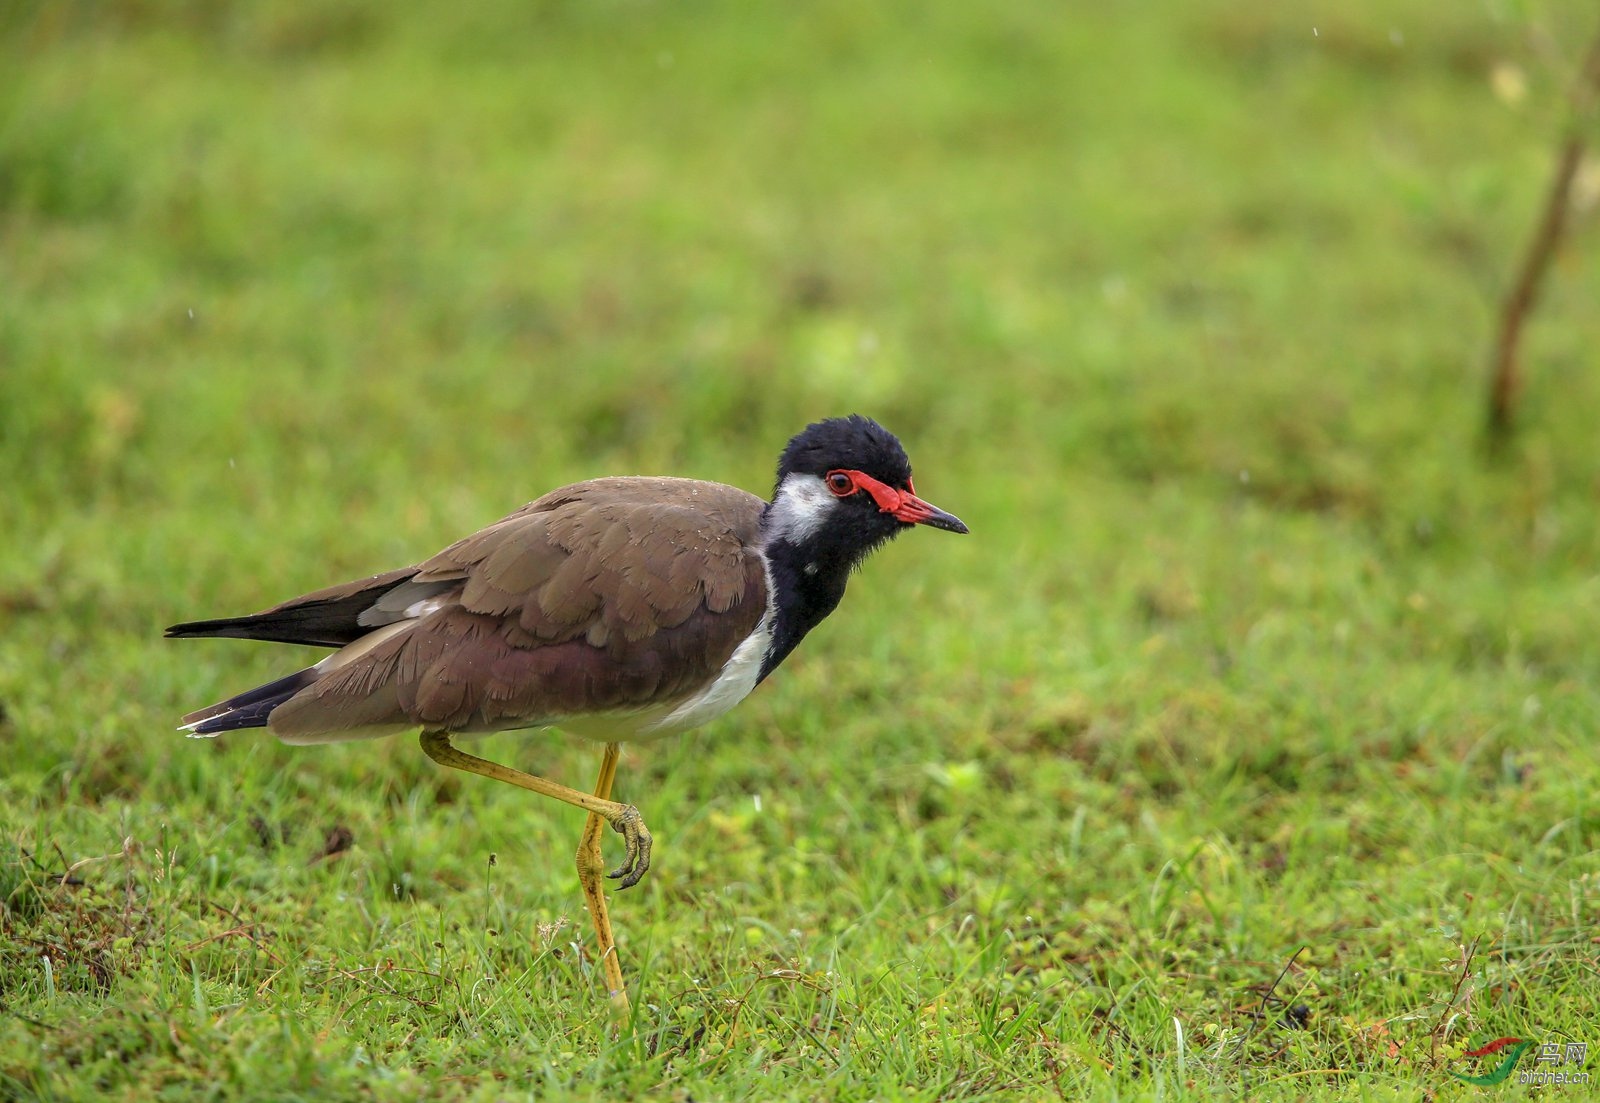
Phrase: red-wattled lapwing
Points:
(615, 609)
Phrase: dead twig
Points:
(1505, 380)
(247, 933)
(1261, 1012)
(1464, 970)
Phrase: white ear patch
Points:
(800, 507)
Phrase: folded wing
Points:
(614, 596)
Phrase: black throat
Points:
(808, 580)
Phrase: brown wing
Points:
(615, 594)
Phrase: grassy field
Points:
(1245, 748)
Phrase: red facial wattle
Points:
(902, 505)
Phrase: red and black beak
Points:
(914, 511)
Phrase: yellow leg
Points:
(623, 818)
(590, 863)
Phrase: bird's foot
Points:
(630, 825)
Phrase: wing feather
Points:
(611, 595)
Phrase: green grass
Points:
(1245, 748)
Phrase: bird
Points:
(619, 609)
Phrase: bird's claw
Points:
(630, 825)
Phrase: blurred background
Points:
(1185, 308)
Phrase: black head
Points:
(846, 483)
(853, 443)
(844, 488)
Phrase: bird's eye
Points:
(840, 483)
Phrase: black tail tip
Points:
(192, 629)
